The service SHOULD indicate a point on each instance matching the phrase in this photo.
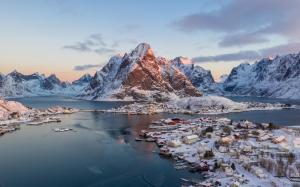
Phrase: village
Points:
(229, 153)
(28, 116)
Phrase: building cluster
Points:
(32, 117)
(230, 153)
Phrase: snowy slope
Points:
(278, 77)
(8, 107)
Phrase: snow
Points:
(16, 84)
(194, 103)
(110, 83)
(8, 107)
(257, 163)
(278, 77)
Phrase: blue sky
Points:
(61, 35)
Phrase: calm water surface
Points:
(102, 151)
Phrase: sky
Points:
(74, 37)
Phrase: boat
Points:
(138, 139)
(150, 140)
(61, 129)
(183, 179)
(165, 152)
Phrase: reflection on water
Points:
(101, 151)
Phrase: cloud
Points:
(104, 51)
(281, 49)
(241, 55)
(130, 27)
(86, 67)
(242, 39)
(79, 46)
(251, 54)
(94, 43)
(242, 22)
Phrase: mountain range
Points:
(140, 75)
(16, 84)
(278, 77)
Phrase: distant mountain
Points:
(278, 77)
(140, 75)
(84, 80)
(222, 78)
(16, 84)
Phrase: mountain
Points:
(140, 75)
(84, 80)
(200, 78)
(16, 84)
(278, 77)
(222, 78)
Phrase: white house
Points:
(174, 143)
(190, 139)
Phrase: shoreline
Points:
(242, 157)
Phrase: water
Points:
(102, 151)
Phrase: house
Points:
(190, 139)
(296, 142)
(174, 143)
(278, 139)
(223, 149)
(259, 172)
(247, 148)
(263, 137)
(229, 171)
(226, 140)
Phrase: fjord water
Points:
(102, 151)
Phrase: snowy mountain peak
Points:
(183, 60)
(139, 75)
(53, 78)
(142, 50)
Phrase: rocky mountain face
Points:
(16, 84)
(202, 79)
(140, 75)
(278, 77)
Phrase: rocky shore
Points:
(14, 114)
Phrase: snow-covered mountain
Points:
(16, 84)
(200, 78)
(278, 77)
(222, 78)
(140, 75)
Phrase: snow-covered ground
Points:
(230, 153)
(196, 105)
(13, 114)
